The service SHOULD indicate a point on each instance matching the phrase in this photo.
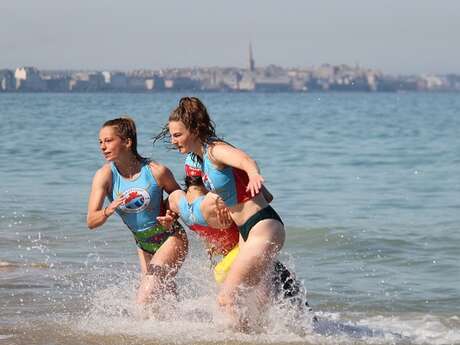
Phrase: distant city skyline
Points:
(396, 37)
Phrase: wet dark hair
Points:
(194, 115)
(126, 129)
(190, 181)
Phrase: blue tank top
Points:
(142, 205)
(191, 213)
(229, 183)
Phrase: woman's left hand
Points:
(223, 214)
(255, 184)
(168, 219)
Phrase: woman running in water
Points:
(235, 177)
(204, 213)
(134, 187)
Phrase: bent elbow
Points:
(91, 224)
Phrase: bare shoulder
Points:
(104, 172)
(164, 177)
(217, 148)
(222, 153)
(103, 177)
(159, 170)
(219, 144)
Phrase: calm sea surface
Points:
(368, 186)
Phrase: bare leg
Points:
(159, 270)
(250, 269)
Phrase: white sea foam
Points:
(195, 318)
(6, 336)
(8, 264)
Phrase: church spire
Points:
(251, 59)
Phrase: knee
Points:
(163, 274)
(156, 270)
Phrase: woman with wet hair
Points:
(204, 213)
(134, 187)
(235, 177)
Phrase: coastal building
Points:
(430, 83)
(87, 82)
(107, 76)
(453, 82)
(96, 82)
(247, 82)
(61, 84)
(299, 78)
(231, 80)
(155, 83)
(118, 81)
(210, 78)
(136, 84)
(272, 79)
(389, 83)
(182, 83)
(79, 83)
(218, 79)
(372, 80)
(298, 84)
(7, 81)
(29, 79)
(273, 84)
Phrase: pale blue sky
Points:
(405, 36)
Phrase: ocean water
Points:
(368, 186)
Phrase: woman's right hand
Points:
(111, 208)
(255, 183)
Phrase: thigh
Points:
(144, 259)
(256, 254)
(172, 252)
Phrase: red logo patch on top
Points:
(192, 171)
(136, 200)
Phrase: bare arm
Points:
(223, 153)
(166, 180)
(96, 215)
